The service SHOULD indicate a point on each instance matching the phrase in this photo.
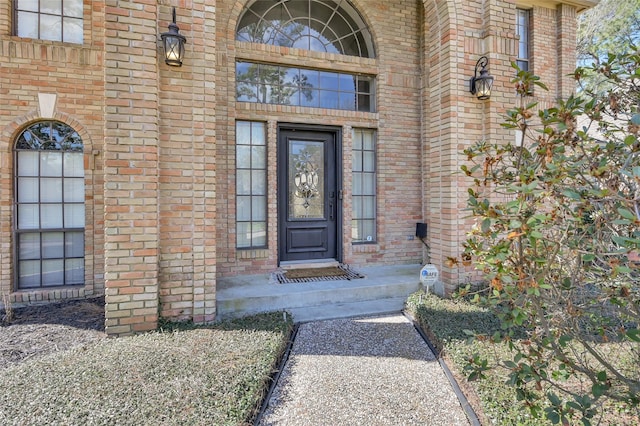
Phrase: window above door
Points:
(285, 85)
(317, 25)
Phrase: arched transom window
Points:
(332, 26)
(50, 209)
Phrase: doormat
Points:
(307, 275)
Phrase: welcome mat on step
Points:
(307, 275)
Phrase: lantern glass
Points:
(483, 85)
(173, 49)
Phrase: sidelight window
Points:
(363, 222)
(251, 185)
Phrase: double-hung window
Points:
(523, 17)
(57, 20)
(50, 207)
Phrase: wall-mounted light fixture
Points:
(481, 85)
(173, 44)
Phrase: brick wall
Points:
(73, 75)
(160, 141)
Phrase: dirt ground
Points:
(38, 330)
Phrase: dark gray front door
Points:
(307, 194)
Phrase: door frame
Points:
(281, 173)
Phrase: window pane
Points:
(310, 99)
(243, 183)
(243, 209)
(28, 163)
(29, 275)
(367, 140)
(28, 190)
(356, 205)
(31, 5)
(357, 184)
(74, 271)
(51, 6)
(29, 246)
(368, 184)
(50, 27)
(369, 161)
(368, 230)
(73, 8)
(51, 216)
(73, 30)
(368, 207)
(74, 216)
(243, 133)
(364, 103)
(51, 190)
(259, 157)
(259, 234)
(328, 80)
(347, 83)
(243, 156)
(52, 272)
(258, 183)
(74, 190)
(52, 245)
(28, 216)
(357, 140)
(347, 101)
(74, 244)
(51, 164)
(27, 25)
(355, 231)
(259, 208)
(311, 78)
(258, 133)
(74, 164)
(329, 100)
(357, 161)
(364, 85)
(243, 235)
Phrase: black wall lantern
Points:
(481, 85)
(173, 44)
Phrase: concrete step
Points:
(383, 290)
(346, 310)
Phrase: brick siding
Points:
(160, 141)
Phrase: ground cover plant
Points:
(180, 374)
(448, 324)
(557, 241)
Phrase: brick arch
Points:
(11, 131)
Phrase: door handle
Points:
(330, 211)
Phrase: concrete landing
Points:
(383, 290)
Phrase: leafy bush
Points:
(557, 239)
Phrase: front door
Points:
(308, 198)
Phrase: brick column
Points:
(187, 186)
(131, 166)
(567, 57)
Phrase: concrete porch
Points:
(383, 290)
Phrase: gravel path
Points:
(362, 371)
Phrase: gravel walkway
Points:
(362, 371)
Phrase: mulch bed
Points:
(38, 330)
